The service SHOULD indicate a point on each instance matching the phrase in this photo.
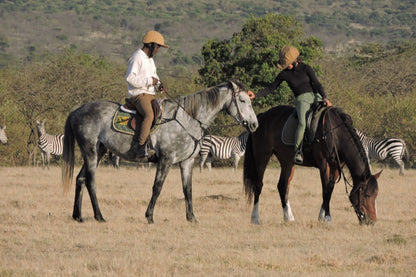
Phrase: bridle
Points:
(240, 116)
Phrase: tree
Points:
(252, 54)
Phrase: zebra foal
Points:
(48, 144)
(381, 149)
(3, 137)
(222, 148)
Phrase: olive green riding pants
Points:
(303, 105)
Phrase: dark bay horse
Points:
(335, 144)
(176, 141)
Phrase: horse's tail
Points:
(68, 156)
(250, 170)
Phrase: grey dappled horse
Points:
(176, 141)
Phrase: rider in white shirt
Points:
(142, 79)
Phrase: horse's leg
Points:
(261, 168)
(328, 177)
(286, 175)
(92, 158)
(186, 174)
(162, 171)
(79, 187)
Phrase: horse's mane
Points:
(346, 118)
(207, 97)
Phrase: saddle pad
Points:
(289, 130)
(122, 123)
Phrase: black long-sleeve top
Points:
(300, 79)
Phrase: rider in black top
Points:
(305, 86)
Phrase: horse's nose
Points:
(253, 126)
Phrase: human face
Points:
(156, 49)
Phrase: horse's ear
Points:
(234, 86)
(377, 174)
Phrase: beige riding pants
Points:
(143, 103)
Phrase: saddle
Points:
(127, 119)
(312, 120)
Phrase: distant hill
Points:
(115, 28)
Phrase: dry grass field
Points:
(39, 238)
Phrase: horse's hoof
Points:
(153, 159)
(78, 219)
(326, 218)
(255, 221)
(192, 219)
(99, 219)
(150, 220)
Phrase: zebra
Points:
(48, 144)
(114, 160)
(3, 137)
(222, 148)
(381, 149)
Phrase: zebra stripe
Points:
(49, 144)
(222, 148)
(381, 149)
(3, 137)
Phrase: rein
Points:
(338, 160)
(233, 100)
(196, 140)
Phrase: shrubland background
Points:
(55, 55)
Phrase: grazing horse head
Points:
(363, 199)
(3, 137)
(365, 187)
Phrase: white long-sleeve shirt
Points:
(139, 74)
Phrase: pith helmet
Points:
(287, 56)
(156, 37)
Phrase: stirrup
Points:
(298, 157)
(141, 151)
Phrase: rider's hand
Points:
(327, 102)
(155, 81)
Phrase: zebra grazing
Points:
(381, 149)
(48, 144)
(3, 137)
(222, 148)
